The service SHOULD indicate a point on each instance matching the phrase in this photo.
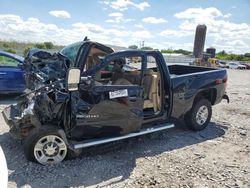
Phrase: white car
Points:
(233, 65)
(241, 66)
(223, 65)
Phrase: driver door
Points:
(109, 107)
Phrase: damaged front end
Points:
(45, 99)
(20, 118)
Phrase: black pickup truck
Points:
(88, 94)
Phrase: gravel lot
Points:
(216, 157)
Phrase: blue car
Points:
(11, 73)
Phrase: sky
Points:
(161, 24)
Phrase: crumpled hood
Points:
(42, 67)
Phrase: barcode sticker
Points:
(118, 93)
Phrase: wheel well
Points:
(210, 95)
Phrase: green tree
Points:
(10, 50)
(181, 51)
(247, 54)
(239, 57)
(246, 59)
(6, 45)
(133, 47)
(26, 50)
(168, 51)
(223, 52)
(147, 48)
(40, 45)
(48, 45)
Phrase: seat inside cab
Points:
(127, 71)
(151, 83)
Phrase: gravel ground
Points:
(215, 157)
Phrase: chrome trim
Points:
(202, 115)
(106, 140)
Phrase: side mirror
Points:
(73, 79)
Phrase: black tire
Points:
(35, 135)
(191, 120)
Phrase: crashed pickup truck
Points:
(88, 94)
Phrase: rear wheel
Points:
(199, 116)
(45, 146)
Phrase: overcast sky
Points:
(161, 24)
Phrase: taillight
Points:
(217, 82)
(220, 81)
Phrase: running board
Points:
(94, 142)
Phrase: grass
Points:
(21, 48)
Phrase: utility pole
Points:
(142, 43)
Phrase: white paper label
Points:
(118, 93)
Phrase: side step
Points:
(94, 142)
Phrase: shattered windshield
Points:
(71, 51)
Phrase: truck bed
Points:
(188, 81)
(176, 70)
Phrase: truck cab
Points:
(122, 88)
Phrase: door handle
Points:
(2, 73)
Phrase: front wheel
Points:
(45, 146)
(199, 116)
